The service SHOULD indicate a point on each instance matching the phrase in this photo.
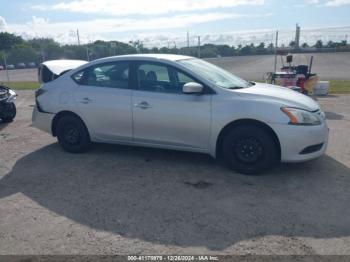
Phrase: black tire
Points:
(250, 149)
(9, 114)
(72, 134)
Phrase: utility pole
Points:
(199, 47)
(42, 55)
(113, 47)
(7, 72)
(188, 39)
(87, 53)
(297, 37)
(78, 37)
(275, 68)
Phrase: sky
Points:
(165, 22)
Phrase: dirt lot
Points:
(331, 66)
(123, 200)
(19, 75)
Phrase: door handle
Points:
(86, 100)
(143, 105)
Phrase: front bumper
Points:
(296, 141)
(42, 120)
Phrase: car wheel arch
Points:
(240, 122)
(61, 114)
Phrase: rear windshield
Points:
(45, 75)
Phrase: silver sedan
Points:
(182, 103)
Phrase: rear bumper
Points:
(301, 143)
(42, 121)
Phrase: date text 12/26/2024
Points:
(172, 258)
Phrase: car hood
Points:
(285, 96)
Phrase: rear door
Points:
(163, 115)
(103, 97)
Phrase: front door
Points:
(163, 115)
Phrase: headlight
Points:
(301, 117)
(12, 96)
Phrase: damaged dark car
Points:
(7, 105)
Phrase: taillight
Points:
(39, 92)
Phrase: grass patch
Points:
(339, 87)
(25, 85)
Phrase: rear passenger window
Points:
(113, 75)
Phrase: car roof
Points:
(168, 57)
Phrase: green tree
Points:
(319, 44)
(292, 44)
(47, 48)
(270, 47)
(225, 50)
(260, 49)
(22, 54)
(209, 50)
(331, 44)
(343, 43)
(7, 41)
(246, 50)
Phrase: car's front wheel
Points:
(72, 134)
(250, 149)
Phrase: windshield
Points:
(214, 74)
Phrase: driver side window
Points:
(161, 78)
(153, 77)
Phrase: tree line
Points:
(36, 50)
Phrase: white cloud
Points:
(141, 7)
(91, 29)
(267, 36)
(334, 3)
(337, 2)
(94, 30)
(3, 24)
(312, 1)
(39, 21)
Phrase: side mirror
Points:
(192, 88)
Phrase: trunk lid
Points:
(50, 70)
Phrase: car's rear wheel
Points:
(72, 134)
(250, 149)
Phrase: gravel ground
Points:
(248, 67)
(123, 200)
